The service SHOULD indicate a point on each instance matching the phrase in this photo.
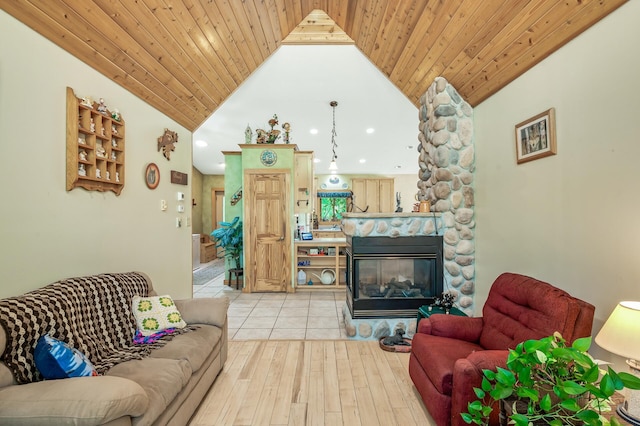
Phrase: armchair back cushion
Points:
(449, 352)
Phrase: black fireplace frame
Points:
(414, 247)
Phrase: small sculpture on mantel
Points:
(247, 134)
(287, 128)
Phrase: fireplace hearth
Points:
(392, 277)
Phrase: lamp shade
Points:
(621, 333)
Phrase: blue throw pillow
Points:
(57, 360)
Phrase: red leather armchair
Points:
(449, 352)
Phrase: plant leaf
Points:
(545, 403)
(607, 386)
(572, 388)
(520, 419)
(479, 393)
(570, 404)
(629, 380)
(582, 344)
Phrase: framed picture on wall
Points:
(536, 137)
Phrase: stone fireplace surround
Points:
(446, 163)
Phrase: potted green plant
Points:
(229, 238)
(549, 382)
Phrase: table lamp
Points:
(620, 335)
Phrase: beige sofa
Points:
(164, 386)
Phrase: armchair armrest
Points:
(78, 400)
(211, 310)
(453, 326)
(467, 374)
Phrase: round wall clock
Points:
(268, 157)
(152, 176)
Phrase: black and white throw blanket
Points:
(93, 314)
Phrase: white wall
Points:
(48, 233)
(570, 219)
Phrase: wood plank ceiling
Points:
(186, 57)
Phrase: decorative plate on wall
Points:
(152, 176)
(268, 157)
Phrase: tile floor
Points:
(304, 315)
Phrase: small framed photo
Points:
(152, 176)
(536, 137)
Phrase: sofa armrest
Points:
(467, 374)
(453, 326)
(210, 310)
(78, 400)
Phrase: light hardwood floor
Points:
(292, 382)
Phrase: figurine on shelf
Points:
(115, 114)
(113, 129)
(83, 155)
(114, 143)
(81, 140)
(108, 175)
(86, 101)
(81, 170)
(102, 108)
(98, 174)
(117, 176)
(92, 126)
(100, 151)
(102, 131)
(113, 155)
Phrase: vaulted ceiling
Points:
(186, 57)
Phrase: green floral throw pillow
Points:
(156, 313)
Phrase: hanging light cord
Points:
(334, 145)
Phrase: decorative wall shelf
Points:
(95, 147)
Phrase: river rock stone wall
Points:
(446, 180)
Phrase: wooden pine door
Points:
(267, 231)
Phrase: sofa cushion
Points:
(437, 356)
(194, 347)
(204, 310)
(74, 401)
(57, 360)
(156, 313)
(162, 379)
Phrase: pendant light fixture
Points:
(333, 166)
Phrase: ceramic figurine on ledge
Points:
(115, 114)
(86, 101)
(113, 156)
(100, 151)
(92, 126)
(247, 134)
(287, 128)
(102, 108)
(81, 140)
(102, 131)
(114, 143)
(83, 155)
(117, 176)
(98, 174)
(81, 170)
(108, 175)
(113, 129)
